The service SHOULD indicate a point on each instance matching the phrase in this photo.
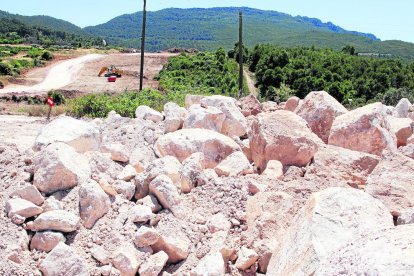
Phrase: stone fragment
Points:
(93, 203)
(146, 236)
(146, 113)
(117, 151)
(22, 207)
(30, 193)
(174, 117)
(250, 106)
(58, 220)
(206, 118)
(292, 103)
(154, 264)
(46, 241)
(235, 164)
(246, 258)
(127, 189)
(211, 265)
(274, 169)
(140, 213)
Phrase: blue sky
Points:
(388, 19)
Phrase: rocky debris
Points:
(176, 245)
(320, 109)
(127, 189)
(29, 193)
(58, 220)
(330, 219)
(144, 112)
(154, 264)
(93, 203)
(387, 252)
(204, 117)
(118, 152)
(128, 173)
(146, 236)
(103, 169)
(211, 265)
(235, 123)
(22, 207)
(246, 258)
(80, 135)
(250, 106)
(126, 260)
(392, 183)
(407, 150)
(406, 217)
(339, 164)
(62, 259)
(364, 129)
(193, 99)
(174, 117)
(218, 222)
(166, 193)
(183, 143)
(140, 157)
(292, 103)
(152, 202)
(51, 204)
(59, 167)
(190, 170)
(140, 213)
(283, 136)
(274, 169)
(402, 109)
(235, 164)
(402, 128)
(100, 254)
(46, 241)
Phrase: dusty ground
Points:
(80, 74)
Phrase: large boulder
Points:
(144, 112)
(183, 143)
(339, 164)
(392, 183)
(59, 167)
(174, 117)
(63, 260)
(365, 129)
(329, 220)
(320, 109)
(81, 135)
(283, 136)
(93, 203)
(250, 105)
(235, 123)
(402, 128)
(208, 118)
(402, 109)
(387, 252)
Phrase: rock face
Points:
(211, 265)
(250, 106)
(402, 128)
(341, 164)
(391, 182)
(154, 264)
(283, 136)
(330, 219)
(144, 112)
(62, 260)
(207, 118)
(183, 143)
(57, 220)
(388, 252)
(235, 164)
(174, 117)
(364, 129)
(93, 203)
(59, 167)
(402, 109)
(292, 103)
(235, 123)
(80, 135)
(320, 109)
(46, 241)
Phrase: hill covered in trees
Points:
(209, 29)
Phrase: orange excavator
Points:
(111, 71)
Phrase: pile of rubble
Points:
(221, 187)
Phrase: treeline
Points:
(352, 80)
(13, 31)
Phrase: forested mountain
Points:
(208, 29)
(44, 30)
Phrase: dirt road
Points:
(81, 74)
(250, 82)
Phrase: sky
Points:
(387, 19)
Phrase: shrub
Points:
(1, 85)
(47, 55)
(5, 69)
(57, 97)
(34, 52)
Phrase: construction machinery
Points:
(111, 71)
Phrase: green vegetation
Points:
(349, 78)
(209, 29)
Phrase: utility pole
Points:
(240, 54)
(144, 23)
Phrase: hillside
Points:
(208, 29)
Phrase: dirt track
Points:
(81, 74)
